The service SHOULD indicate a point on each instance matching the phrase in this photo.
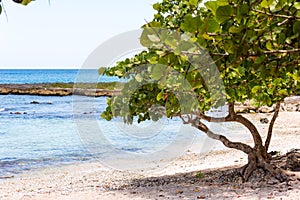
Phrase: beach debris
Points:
(264, 120)
(293, 160)
(179, 191)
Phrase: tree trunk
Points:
(258, 159)
(258, 156)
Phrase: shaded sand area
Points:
(192, 176)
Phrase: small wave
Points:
(2, 109)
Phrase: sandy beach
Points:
(191, 176)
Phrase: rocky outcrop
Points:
(45, 90)
(291, 104)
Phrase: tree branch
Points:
(218, 34)
(270, 130)
(198, 54)
(282, 51)
(249, 125)
(232, 113)
(276, 15)
(234, 145)
(253, 130)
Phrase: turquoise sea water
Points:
(21, 76)
(50, 132)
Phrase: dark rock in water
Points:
(25, 113)
(34, 102)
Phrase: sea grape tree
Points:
(254, 46)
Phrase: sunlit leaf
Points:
(154, 38)
(222, 2)
(193, 3)
(269, 45)
(212, 6)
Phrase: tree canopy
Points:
(255, 46)
(223, 52)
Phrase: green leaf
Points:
(223, 13)
(281, 39)
(101, 70)
(241, 70)
(138, 78)
(202, 42)
(255, 89)
(160, 96)
(190, 23)
(212, 6)
(269, 45)
(222, 2)
(296, 27)
(266, 3)
(213, 26)
(23, 2)
(193, 3)
(297, 5)
(153, 60)
(228, 46)
(156, 6)
(283, 92)
(154, 38)
(119, 73)
(158, 71)
(243, 10)
(235, 29)
(260, 59)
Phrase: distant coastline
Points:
(60, 89)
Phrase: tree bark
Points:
(270, 130)
(257, 156)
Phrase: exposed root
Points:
(275, 171)
(277, 167)
(250, 167)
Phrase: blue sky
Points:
(63, 34)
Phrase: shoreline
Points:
(93, 180)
